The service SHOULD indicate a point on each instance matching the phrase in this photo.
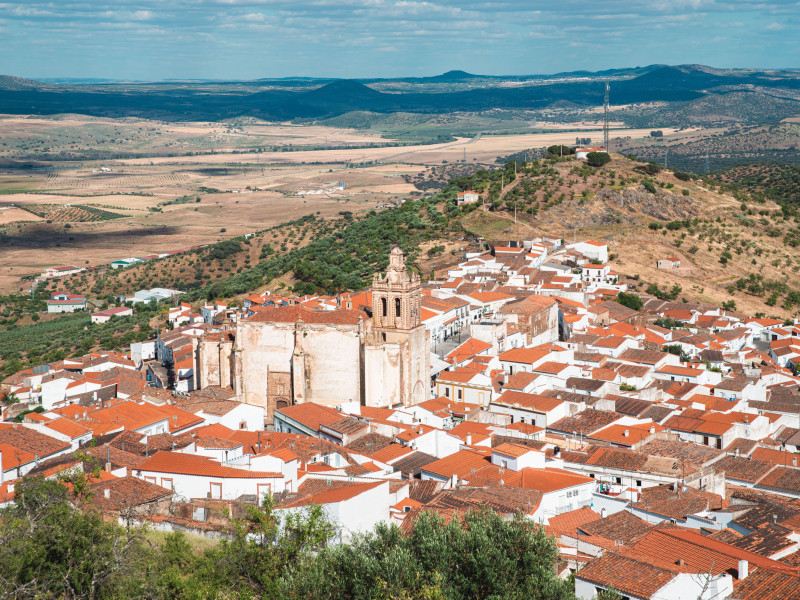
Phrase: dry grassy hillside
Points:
(732, 246)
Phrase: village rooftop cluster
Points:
(663, 458)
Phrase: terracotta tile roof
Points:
(776, 457)
(370, 443)
(743, 469)
(532, 402)
(700, 553)
(513, 450)
(585, 422)
(126, 492)
(647, 357)
(523, 355)
(626, 435)
(187, 464)
(628, 574)
(305, 496)
(423, 490)
(763, 584)
(458, 375)
(570, 522)
(311, 415)
(677, 504)
(691, 453)
(411, 465)
(468, 349)
(68, 427)
(623, 526)
(29, 441)
(782, 479)
(519, 380)
(461, 463)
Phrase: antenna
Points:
(666, 154)
(605, 119)
(707, 169)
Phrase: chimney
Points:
(419, 431)
(469, 439)
(743, 569)
(107, 494)
(556, 452)
(626, 433)
(652, 429)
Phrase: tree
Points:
(597, 159)
(266, 545)
(558, 150)
(48, 549)
(478, 556)
(629, 299)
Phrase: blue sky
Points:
(248, 39)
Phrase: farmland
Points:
(165, 186)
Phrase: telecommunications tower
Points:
(605, 120)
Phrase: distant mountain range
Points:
(321, 98)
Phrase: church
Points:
(292, 354)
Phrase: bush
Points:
(560, 150)
(649, 186)
(597, 159)
(630, 300)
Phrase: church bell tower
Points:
(396, 297)
(397, 359)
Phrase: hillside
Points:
(779, 182)
(451, 92)
(736, 249)
(726, 148)
(733, 246)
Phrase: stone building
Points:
(536, 316)
(378, 356)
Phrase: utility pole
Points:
(666, 155)
(707, 169)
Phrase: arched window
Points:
(397, 307)
(383, 307)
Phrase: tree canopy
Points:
(52, 549)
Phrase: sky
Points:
(251, 39)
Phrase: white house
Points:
(191, 476)
(106, 315)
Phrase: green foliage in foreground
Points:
(629, 299)
(49, 550)
(597, 159)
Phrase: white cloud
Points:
(254, 17)
(775, 27)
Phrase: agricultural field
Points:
(91, 212)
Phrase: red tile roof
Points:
(188, 464)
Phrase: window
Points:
(618, 480)
(397, 307)
(149, 479)
(166, 482)
(263, 490)
(216, 491)
(384, 311)
(447, 392)
(460, 394)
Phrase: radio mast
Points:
(605, 120)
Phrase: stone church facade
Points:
(292, 354)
